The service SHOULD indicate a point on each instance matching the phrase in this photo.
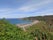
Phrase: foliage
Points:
(40, 31)
(11, 32)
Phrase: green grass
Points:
(41, 28)
(11, 32)
(41, 25)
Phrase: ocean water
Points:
(18, 21)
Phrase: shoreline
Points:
(27, 25)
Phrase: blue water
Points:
(18, 21)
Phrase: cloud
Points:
(34, 6)
(26, 9)
(45, 12)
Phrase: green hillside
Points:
(11, 32)
(40, 31)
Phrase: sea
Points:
(18, 21)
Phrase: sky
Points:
(25, 8)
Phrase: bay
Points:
(18, 21)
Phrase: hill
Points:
(48, 19)
(40, 31)
(11, 32)
(46, 24)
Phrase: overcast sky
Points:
(25, 8)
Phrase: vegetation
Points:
(45, 26)
(48, 19)
(40, 31)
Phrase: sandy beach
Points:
(27, 25)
